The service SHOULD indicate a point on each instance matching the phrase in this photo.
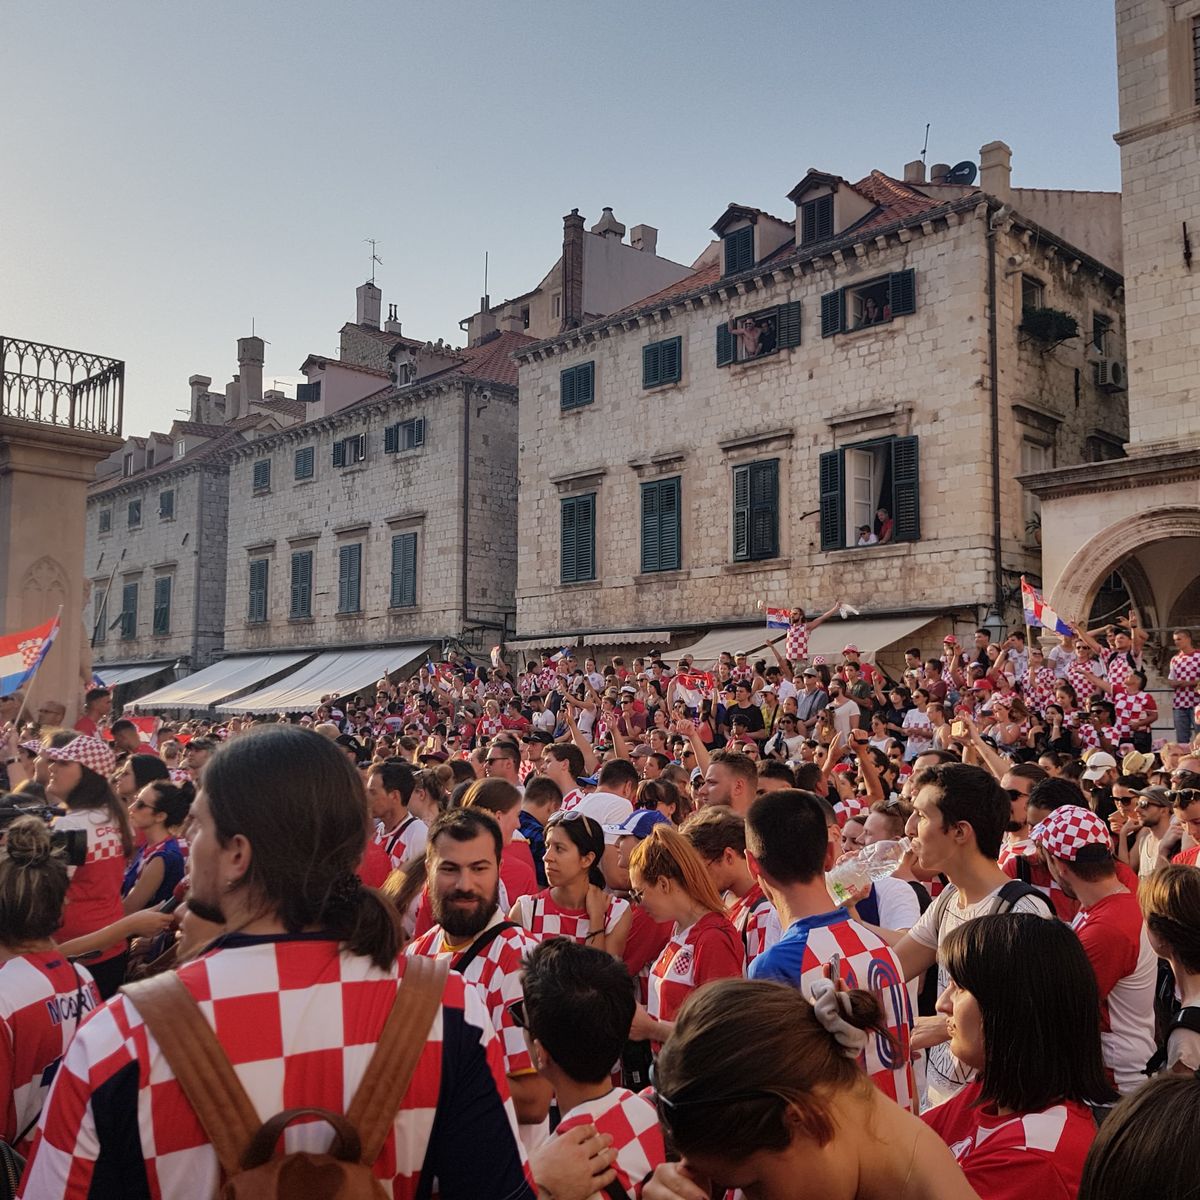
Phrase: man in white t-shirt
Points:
(611, 803)
(846, 714)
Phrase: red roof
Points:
(493, 360)
(689, 283)
(383, 335)
(897, 201)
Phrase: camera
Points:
(72, 842)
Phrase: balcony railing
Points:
(72, 389)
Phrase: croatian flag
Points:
(692, 688)
(557, 658)
(21, 654)
(777, 618)
(1038, 612)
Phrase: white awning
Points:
(222, 680)
(735, 638)
(550, 642)
(117, 674)
(336, 672)
(618, 638)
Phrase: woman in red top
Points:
(1023, 1009)
(672, 883)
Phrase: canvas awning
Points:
(336, 672)
(550, 642)
(121, 673)
(737, 639)
(624, 638)
(222, 680)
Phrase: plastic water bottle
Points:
(870, 863)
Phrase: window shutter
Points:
(725, 345)
(349, 576)
(788, 325)
(832, 521)
(566, 385)
(362, 447)
(764, 509)
(308, 393)
(419, 431)
(585, 538)
(339, 454)
(162, 604)
(823, 208)
(166, 505)
(651, 365)
(391, 439)
(262, 474)
(404, 570)
(304, 463)
(906, 491)
(833, 312)
(741, 513)
(669, 558)
(650, 527)
(567, 544)
(258, 590)
(669, 356)
(302, 583)
(129, 606)
(585, 383)
(902, 292)
(808, 222)
(739, 250)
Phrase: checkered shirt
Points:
(741, 674)
(405, 842)
(755, 918)
(571, 800)
(632, 1123)
(544, 919)
(488, 727)
(496, 690)
(1131, 706)
(1084, 688)
(1089, 737)
(797, 641)
(1185, 667)
(709, 949)
(1039, 688)
(94, 895)
(547, 678)
(496, 971)
(1118, 666)
(40, 1001)
(299, 1021)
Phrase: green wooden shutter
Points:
(741, 513)
(349, 574)
(162, 604)
(567, 540)
(257, 610)
(833, 312)
(585, 383)
(302, 583)
(303, 466)
(404, 570)
(262, 475)
(671, 360)
(669, 557)
(833, 525)
(823, 207)
(391, 439)
(906, 490)
(650, 528)
(726, 351)
(585, 537)
(566, 388)
(764, 509)
(129, 607)
(339, 453)
(739, 250)
(788, 325)
(902, 292)
(651, 365)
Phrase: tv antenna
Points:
(373, 243)
(925, 148)
(252, 334)
(485, 272)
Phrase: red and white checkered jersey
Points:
(1131, 706)
(741, 674)
(405, 842)
(545, 919)
(547, 678)
(94, 895)
(1084, 687)
(299, 1019)
(755, 918)
(488, 727)
(1039, 687)
(42, 998)
(1185, 667)
(709, 949)
(496, 971)
(525, 770)
(1090, 737)
(571, 800)
(797, 642)
(632, 1123)
(1118, 666)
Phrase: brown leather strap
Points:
(346, 1146)
(199, 1064)
(373, 1109)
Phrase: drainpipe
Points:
(994, 405)
(198, 559)
(466, 502)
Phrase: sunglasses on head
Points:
(1184, 795)
(561, 818)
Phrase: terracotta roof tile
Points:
(210, 449)
(198, 429)
(290, 408)
(383, 335)
(897, 201)
(689, 283)
(493, 360)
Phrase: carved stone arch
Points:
(45, 588)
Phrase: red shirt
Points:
(645, 943)
(85, 724)
(1187, 858)
(516, 871)
(94, 894)
(1017, 1156)
(710, 949)
(375, 866)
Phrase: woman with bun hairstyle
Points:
(157, 814)
(760, 1089)
(42, 995)
(79, 774)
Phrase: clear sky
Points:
(172, 171)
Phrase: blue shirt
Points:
(785, 962)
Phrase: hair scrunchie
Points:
(344, 891)
(832, 1008)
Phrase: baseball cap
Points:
(1074, 834)
(1098, 763)
(638, 824)
(640, 752)
(697, 773)
(949, 640)
(850, 648)
(768, 688)
(88, 752)
(586, 780)
(1157, 795)
(810, 671)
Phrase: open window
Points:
(759, 334)
(870, 494)
(874, 302)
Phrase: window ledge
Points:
(354, 527)
(298, 621)
(302, 482)
(579, 584)
(867, 330)
(887, 550)
(406, 518)
(260, 547)
(756, 564)
(261, 492)
(663, 387)
(350, 616)
(575, 408)
(403, 609)
(758, 358)
(660, 576)
(750, 440)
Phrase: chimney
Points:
(199, 385)
(644, 238)
(572, 270)
(513, 324)
(233, 399)
(370, 301)
(608, 226)
(938, 172)
(914, 172)
(251, 353)
(484, 324)
(995, 170)
(392, 324)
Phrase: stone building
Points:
(1130, 529)
(902, 344)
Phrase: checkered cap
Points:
(33, 746)
(88, 752)
(1069, 830)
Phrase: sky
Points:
(174, 173)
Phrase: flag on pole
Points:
(563, 653)
(777, 618)
(147, 728)
(97, 681)
(21, 654)
(691, 688)
(1038, 612)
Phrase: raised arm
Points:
(824, 616)
(860, 744)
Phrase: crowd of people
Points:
(568, 929)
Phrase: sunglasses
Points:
(1145, 804)
(140, 804)
(1181, 795)
(1013, 793)
(516, 1010)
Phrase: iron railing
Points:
(73, 389)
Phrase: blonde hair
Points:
(1170, 900)
(667, 854)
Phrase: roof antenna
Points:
(925, 148)
(374, 257)
(265, 342)
(485, 272)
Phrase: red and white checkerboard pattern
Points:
(94, 894)
(632, 1123)
(755, 918)
(90, 752)
(29, 651)
(741, 674)
(1089, 737)
(299, 1021)
(544, 919)
(488, 727)
(571, 800)
(797, 642)
(1186, 667)
(1039, 688)
(405, 842)
(1131, 706)
(496, 971)
(1068, 829)
(1084, 687)
(547, 679)
(691, 958)
(1118, 666)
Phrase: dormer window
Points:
(180, 448)
(816, 220)
(739, 250)
(127, 466)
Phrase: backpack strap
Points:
(939, 908)
(1024, 869)
(199, 1064)
(1013, 892)
(418, 999)
(480, 944)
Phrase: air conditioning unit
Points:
(1111, 375)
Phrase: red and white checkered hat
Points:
(88, 752)
(1069, 830)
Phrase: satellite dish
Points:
(962, 173)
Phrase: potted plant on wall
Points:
(1050, 326)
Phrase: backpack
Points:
(245, 1145)
(1011, 894)
(1185, 1018)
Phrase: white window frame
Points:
(1036, 456)
(863, 465)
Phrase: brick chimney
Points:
(572, 270)
(251, 355)
(392, 324)
(199, 385)
(370, 302)
(914, 172)
(995, 171)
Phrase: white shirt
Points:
(843, 714)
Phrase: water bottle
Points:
(870, 863)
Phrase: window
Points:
(856, 482)
(816, 220)
(739, 250)
(134, 515)
(578, 540)
(556, 306)
(129, 607)
(660, 525)
(162, 605)
(257, 609)
(872, 303)
(577, 386)
(127, 466)
(149, 457)
(100, 625)
(349, 578)
(662, 362)
(106, 520)
(180, 448)
(404, 435)
(308, 393)
(756, 510)
(759, 334)
(1035, 457)
(350, 450)
(301, 606)
(1101, 325)
(262, 475)
(525, 316)
(1033, 293)
(404, 570)
(166, 505)
(305, 463)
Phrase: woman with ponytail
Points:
(158, 813)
